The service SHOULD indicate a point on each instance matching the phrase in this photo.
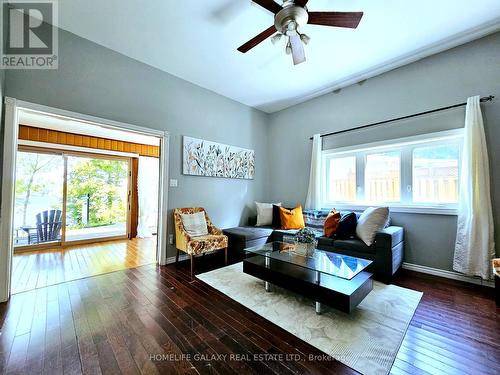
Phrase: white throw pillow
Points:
(371, 221)
(195, 224)
(265, 213)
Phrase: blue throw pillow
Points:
(315, 219)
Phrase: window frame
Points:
(406, 147)
(363, 185)
(326, 181)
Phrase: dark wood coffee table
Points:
(336, 280)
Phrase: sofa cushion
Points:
(248, 233)
(265, 213)
(276, 216)
(358, 214)
(371, 221)
(292, 219)
(315, 219)
(354, 245)
(347, 226)
(332, 222)
(195, 224)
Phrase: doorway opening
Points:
(86, 200)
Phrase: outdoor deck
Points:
(119, 229)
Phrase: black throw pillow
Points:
(347, 226)
(276, 217)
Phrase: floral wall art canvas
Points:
(206, 158)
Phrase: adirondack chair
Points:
(48, 226)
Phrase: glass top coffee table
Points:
(336, 280)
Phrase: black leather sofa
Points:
(386, 252)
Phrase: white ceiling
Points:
(197, 39)
(65, 124)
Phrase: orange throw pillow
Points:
(292, 219)
(331, 223)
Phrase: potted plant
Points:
(305, 241)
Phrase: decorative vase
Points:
(305, 248)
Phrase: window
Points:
(342, 179)
(383, 177)
(435, 174)
(420, 171)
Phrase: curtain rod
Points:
(485, 99)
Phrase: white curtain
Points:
(147, 188)
(474, 247)
(313, 200)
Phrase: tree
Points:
(28, 167)
(103, 182)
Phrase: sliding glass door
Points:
(38, 198)
(67, 198)
(97, 195)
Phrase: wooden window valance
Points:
(30, 133)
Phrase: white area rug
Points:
(366, 340)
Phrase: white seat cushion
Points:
(371, 221)
(195, 224)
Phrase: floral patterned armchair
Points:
(192, 246)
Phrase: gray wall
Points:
(440, 80)
(97, 81)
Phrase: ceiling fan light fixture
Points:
(289, 20)
(276, 38)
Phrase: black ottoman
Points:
(240, 238)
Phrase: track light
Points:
(276, 38)
(288, 48)
(305, 39)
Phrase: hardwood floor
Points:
(158, 320)
(31, 270)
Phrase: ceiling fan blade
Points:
(258, 39)
(298, 54)
(337, 19)
(301, 3)
(270, 5)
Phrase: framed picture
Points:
(212, 159)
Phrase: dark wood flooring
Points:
(154, 320)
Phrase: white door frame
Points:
(12, 107)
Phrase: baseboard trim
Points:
(447, 274)
(182, 257)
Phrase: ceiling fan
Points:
(290, 17)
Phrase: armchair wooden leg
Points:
(225, 256)
(177, 256)
(192, 264)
